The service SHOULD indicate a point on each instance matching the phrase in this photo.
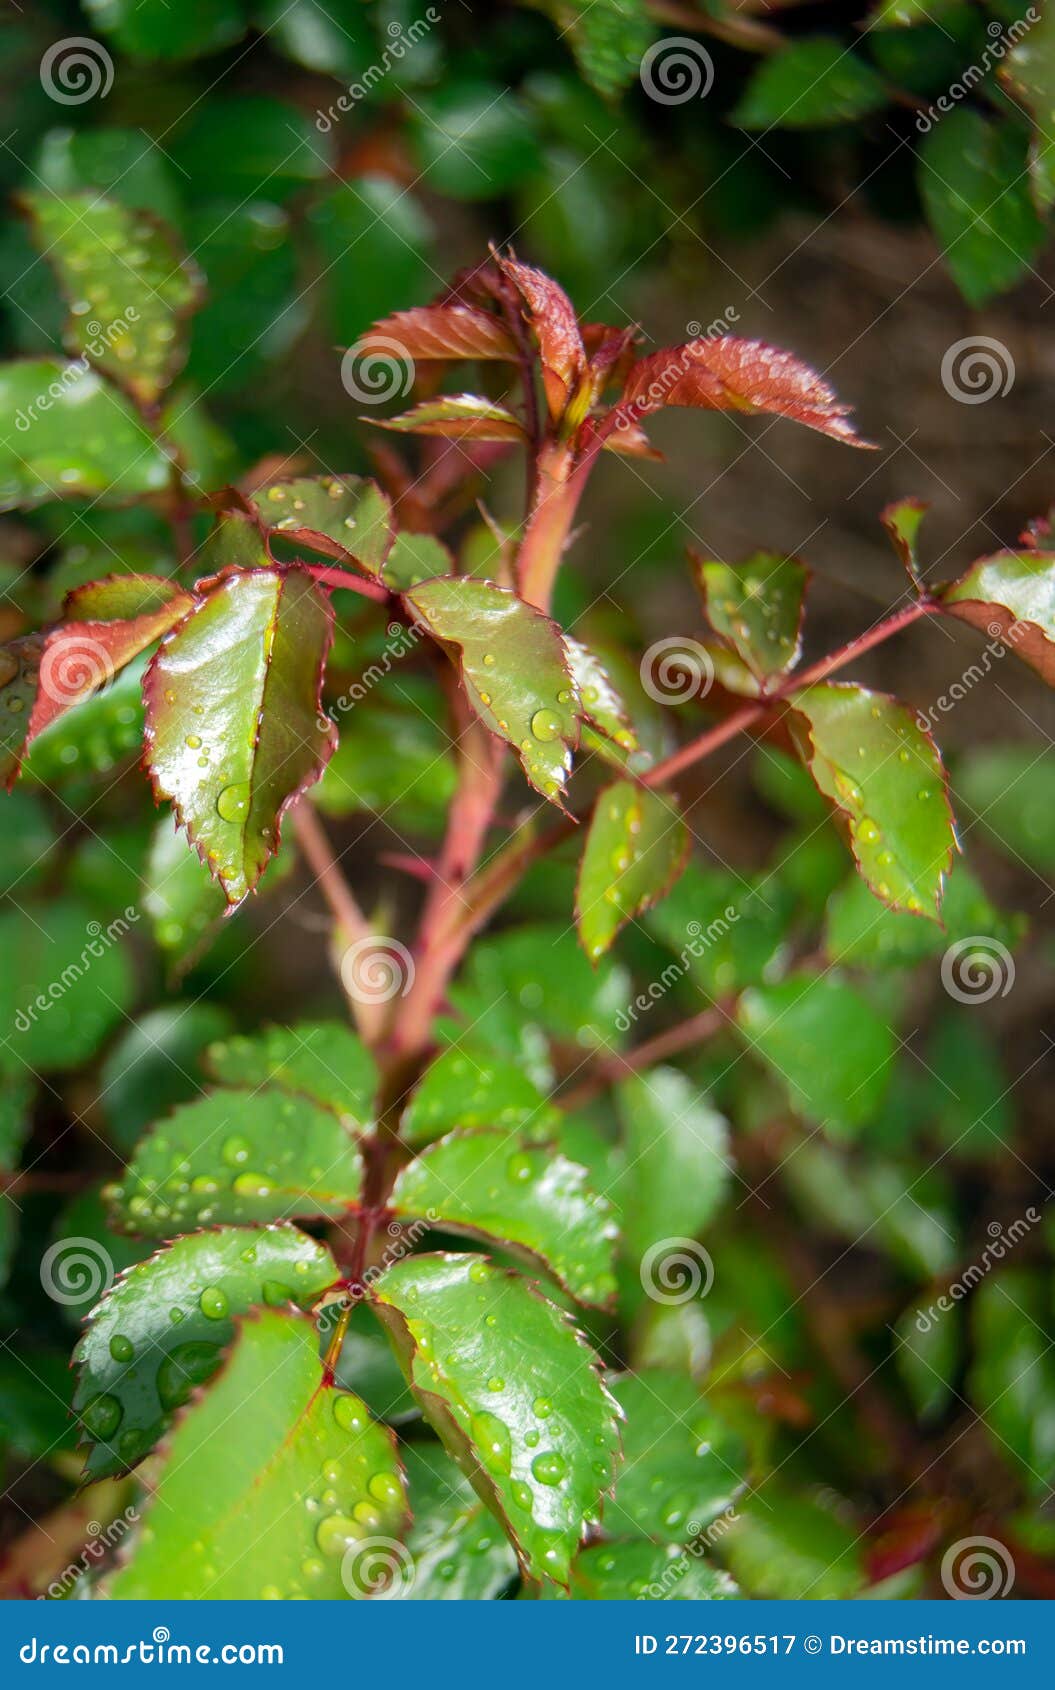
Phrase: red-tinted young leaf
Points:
(726, 374)
(441, 331)
(902, 521)
(113, 620)
(457, 416)
(632, 441)
(234, 725)
(552, 317)
(1011, 597)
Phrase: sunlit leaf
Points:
(1011, 598)
(636, 847)
(457, 416)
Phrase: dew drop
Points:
(102, 1417)
(121, 1348)
(213, 1302)
(549, 1468)
(233, 801)
(545, 725)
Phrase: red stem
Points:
(741, 720)
(318, 854)
(354, 583)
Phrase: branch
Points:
(619, 1065)
(318, 854)
(354, 583)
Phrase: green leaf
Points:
(342, 516)
(88, 1253)
(234, 733)
(460, 1554)
(902, 521)
(250, 146)
(66, 434)
(810, 84)
(1012, 1381)
(334, 40)
(474, 140)
(726, 933)
(238, 1156)
(869, 755)
(513, 1392)
(320, 1060)
(154, 1065)
(682, 1465)
(677, 1162)
(227, 1515)
(789, 1546)
(163, 1327)
(755, 607)
(830, 1049)
(860, 928)
(928, 1346)
(608, 38)
(513, 668)
(540, 974)
(636, 847)
(1010, 597)
(1029, 72)
(180, 896)
(375, 244)
(457, 416)
(157, 31)
(415, 558)
(391, 759)
(975, 188)
(1011, 790)
(903, 14)
(126, 284)
(123, 164)
(66, 981)
(487, 1183)
(602, 703)
(469, 1087)
(623, 1571)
